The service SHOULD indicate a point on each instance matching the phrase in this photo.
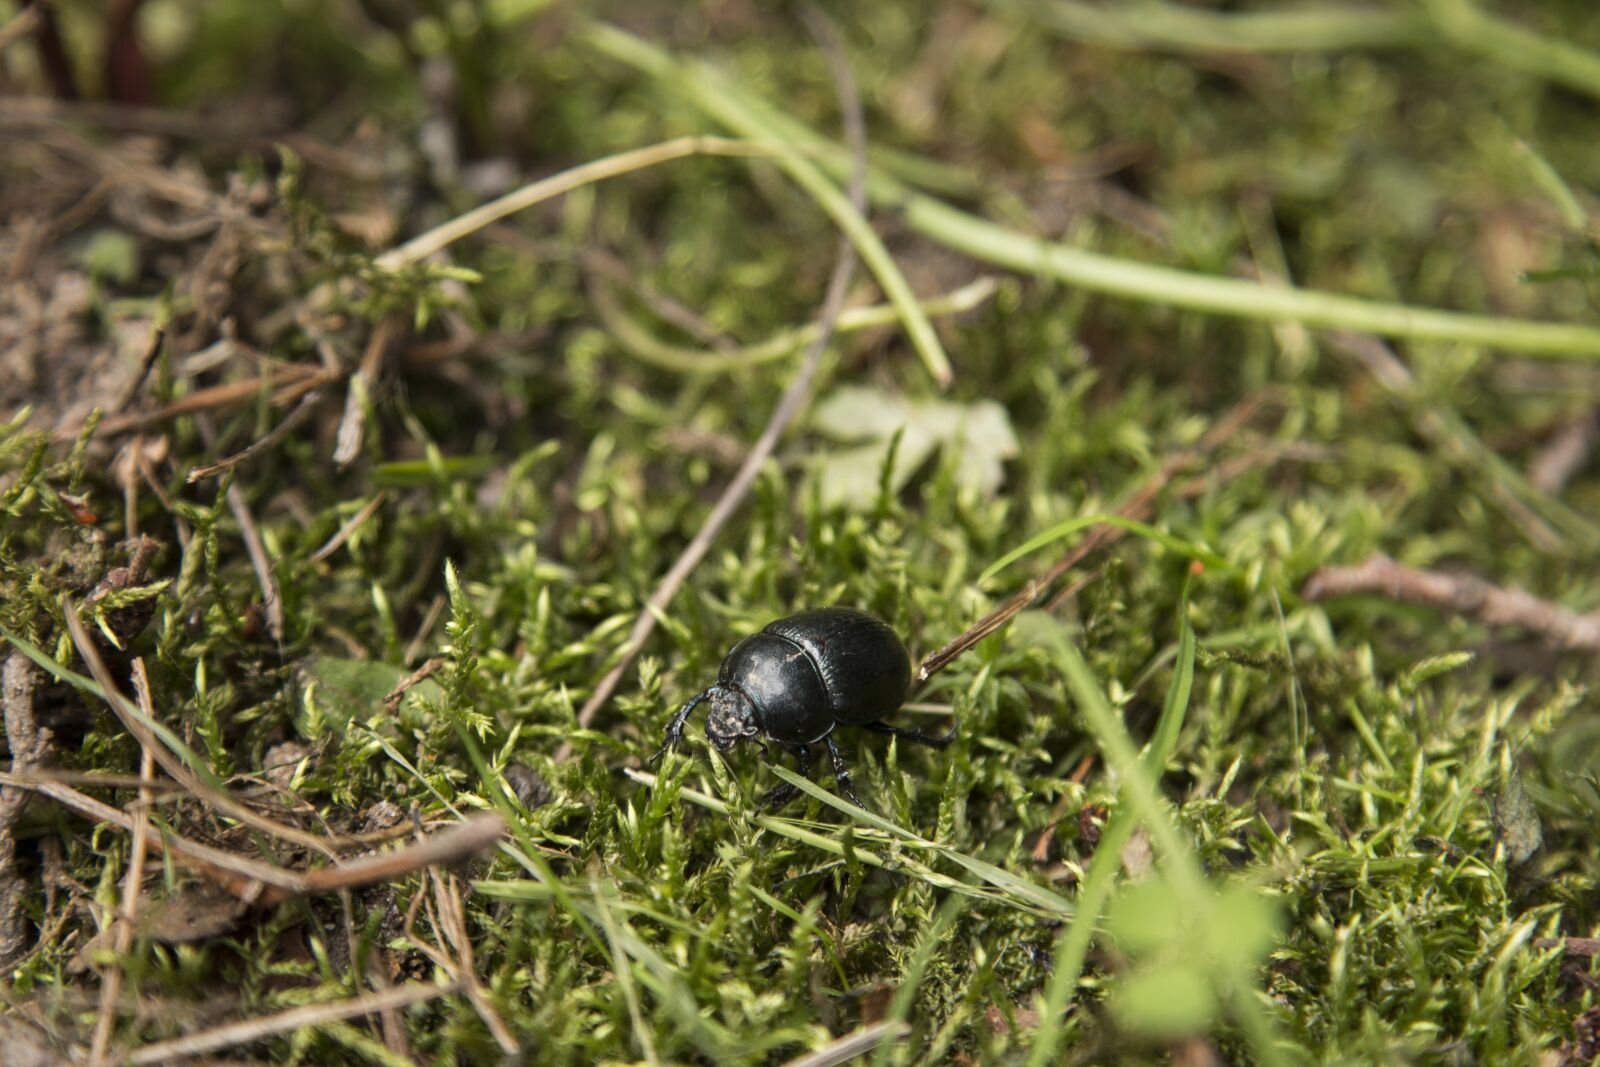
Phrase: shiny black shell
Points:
(816, 669)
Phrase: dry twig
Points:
(290, 383)
(1137, 505)
(248, 1030)
(260, 562)
(296, 416)
(28, 742)
(132, 719)
(851, 1045)
(342, 534)
(449, 919)
(261, 884)
(358, 397)
(1564, 454)
(125, 921)
(152, 352)
(1460, 594)
(788, 407)
(410, 681)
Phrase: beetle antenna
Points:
(675, 727)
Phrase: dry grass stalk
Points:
(1137, 505)
(127, 919)
(787, 408)
(342, 535)
(132, 719)
(262, 884)
(29, 742)
(248, 1030)
(1460, 594)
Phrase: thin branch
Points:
(359, 395)
(343, 533)
(1565, 454)
(450, 919)
(290, 382)
(392, 700)
(425, 245)
(1074, 587)
(296, 416)
(240, 875)
(25, 23)
(1460, 594)
(1137, 505)
(248, 1030)
(789, 405)
(152, 352)
(28, 742)
(851, 1045)
(262, 884)
(125, 921)
(144, 731)
(260, 562)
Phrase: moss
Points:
(529, 487)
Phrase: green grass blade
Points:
(1003, 880)
(1093, 271)
(721, 100)
(1072, 949)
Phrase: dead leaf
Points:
(1516, 822)
(1137, 858)
(979, 433)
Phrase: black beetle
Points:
(800, 677)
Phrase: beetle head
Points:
(732, 718)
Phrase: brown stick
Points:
(296, 416)
(248, 1030)
(152, 352)
(359, 390)
(130, 717)
(293, 381)
(1579, 947)
(1137, 505)
(342, 534)
(28, 742)
(411, 681)
(19, 27)
(1460, 594)
(132, 887)
(260, 562)
(1567, 451)
(262, 884)
(788, 407)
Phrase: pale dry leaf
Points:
(979, 433)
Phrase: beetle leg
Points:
(780, 795)
(841, 773)
(675, 727)
(931, 740)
